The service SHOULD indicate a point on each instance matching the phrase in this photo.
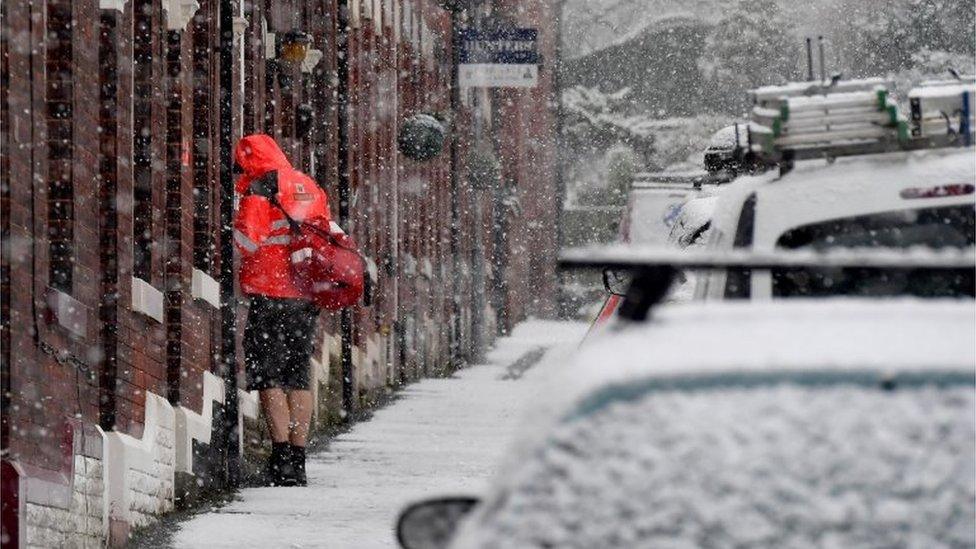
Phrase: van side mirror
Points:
(616, 281)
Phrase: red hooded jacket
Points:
(261, 231)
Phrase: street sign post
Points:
(500, 58)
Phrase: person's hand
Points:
(266, 185)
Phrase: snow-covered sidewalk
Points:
(441, 436)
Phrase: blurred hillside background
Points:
(647, 82)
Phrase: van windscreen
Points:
(943, 227)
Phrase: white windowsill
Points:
(205, 287)
(147, 300)
(117, 5)
(67, 312)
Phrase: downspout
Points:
(342, 136)
(228, 311)
(478, 278)
(108, 221)
(395, 195)
(562, 303)
(455, 166)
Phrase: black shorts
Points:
(278, 342)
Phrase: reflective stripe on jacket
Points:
(261, 231)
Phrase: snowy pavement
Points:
(441, 436)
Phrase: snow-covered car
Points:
(790, 423)
(923, 198)
(693, 221)
(721, 155)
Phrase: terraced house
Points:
(121, 362)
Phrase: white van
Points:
(849, 170)
(891, 200)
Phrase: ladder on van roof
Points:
(809, 120)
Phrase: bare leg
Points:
(275, 406)
(300, 405)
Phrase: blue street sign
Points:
(499, 46)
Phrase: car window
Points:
(782, 466)
(943, 227)
(738, 282)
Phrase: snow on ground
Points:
(441, 436)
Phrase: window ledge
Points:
(179, 12)
(147, 300)
(117, 5)
(67, 312)
(206, 288)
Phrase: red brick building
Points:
(118, 403)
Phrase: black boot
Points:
(298, 465)
(280, 471)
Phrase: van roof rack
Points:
(649, 180)
(808, 120)
(656, 268)
(630, 256)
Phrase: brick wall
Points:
(526, 120)
(50, 358)
(109, 173)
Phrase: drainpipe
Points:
(562, 300)
(342, 106)
(228, 310)
(394, 285)
(479, 278)
(455, 166)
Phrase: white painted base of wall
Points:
(192, 426)
(83, 523)
(139, 472)
(248, 406)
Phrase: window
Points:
(738, 282)
(60, 199)
(142, 213)
(943, 227)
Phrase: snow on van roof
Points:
(929, 166)
(941, 91)
(797, 89)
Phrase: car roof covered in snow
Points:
(694, 214)
(825, 461)
(701, 339)
(889, 334)
(738, 339)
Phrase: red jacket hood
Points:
(258, 154)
